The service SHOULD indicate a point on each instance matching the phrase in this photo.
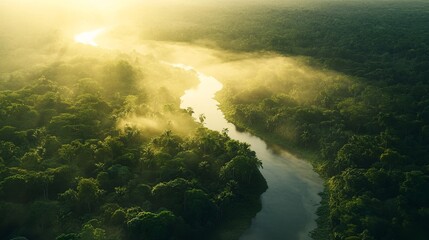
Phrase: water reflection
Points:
(290, 203)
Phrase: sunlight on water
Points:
(290, 203)
(201, 99)
(88, 38)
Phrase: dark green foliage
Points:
(241, 169)
(60, 148)
(382, 41)
(67, 171)
(171, 194)
(370, 133)
(199, 209)
(147, 225)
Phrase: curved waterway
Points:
(290, 203)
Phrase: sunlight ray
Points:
(88, 38)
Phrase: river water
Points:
(290, 203)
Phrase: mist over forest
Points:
(94, 143)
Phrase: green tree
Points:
(14, 188)
(171, 194)
(89, 232)
(88, 192)
(31, 160)
(198, 207)
(151, 226)
(241, 169)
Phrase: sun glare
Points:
(88, 38)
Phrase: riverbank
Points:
(237, 219)
(322, 231)
(290, 202)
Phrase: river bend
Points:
(291, 200)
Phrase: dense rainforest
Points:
(93, 144)
(75, 162)
(368, 131)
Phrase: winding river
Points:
(290, 203)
